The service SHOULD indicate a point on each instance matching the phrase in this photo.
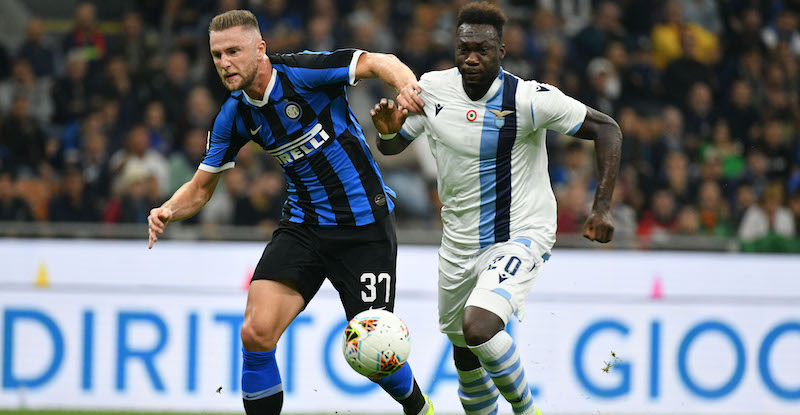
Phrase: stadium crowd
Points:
(102, 121)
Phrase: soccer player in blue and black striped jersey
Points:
(337, 220)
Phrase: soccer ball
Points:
(376, 343)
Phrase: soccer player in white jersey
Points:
(486, 129)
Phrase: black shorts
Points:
(360, 262)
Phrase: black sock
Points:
(414, 403)
(270, 405)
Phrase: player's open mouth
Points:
(230, 76)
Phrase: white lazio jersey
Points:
(491, 156)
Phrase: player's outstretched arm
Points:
(186, 201)
(395, 73)
(388, 119)
(607, 138)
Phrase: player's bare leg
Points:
(497, 353)
(271, 307)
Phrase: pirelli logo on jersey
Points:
(300, 147)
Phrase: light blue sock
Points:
(501, 360)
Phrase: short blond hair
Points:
(234, 18)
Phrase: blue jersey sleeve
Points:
(313, 69)
(223, 142)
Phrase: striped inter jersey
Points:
(491, 157)
(305, 122)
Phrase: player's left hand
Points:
(409, 97)
(387, 117)
(599, 227)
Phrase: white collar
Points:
(270, 86)
(496, 84)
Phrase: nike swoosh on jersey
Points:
(500, 114)
(254, 132)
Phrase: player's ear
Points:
(502, 50)
(262, 47)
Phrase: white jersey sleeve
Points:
(415, 124)
(553, 110)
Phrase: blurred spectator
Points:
(140, 194)
(517, 60)
(745, 198)
(545, 29)
(161, 135)
(756, 172)
(23, 82)
(575, 167)
(769, 217)
(24, 139)
(184, 162)
(684, 71)
(136, 162)
(117, 85)
(72, 92)
(415, 50)
(573, 208)
(604, 29)
(370, 28)
(713, 210)
(605, 85)
(740, 112)
(199, 111)
(12, 207)
(72, 203)
(659, 218)
(136, 47)
(784, 30)
(745, 31)
(687, 221)
(722, 146)
(677, 178)
(672, 136)
(703, 13)
(220, 209)
(624, 215)
(667, 38)
(699, 115)
(173, 84)
(96, 170)
(85, 38)
(575, 14)
(263, 203)
(281, 26)
(777, 150)
(640, 77)
(35, 50)
(320, 34)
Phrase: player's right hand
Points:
(409, 97)
(388, 117)
(156, 222)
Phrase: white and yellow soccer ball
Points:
(376, 343)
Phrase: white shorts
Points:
(498, 278)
